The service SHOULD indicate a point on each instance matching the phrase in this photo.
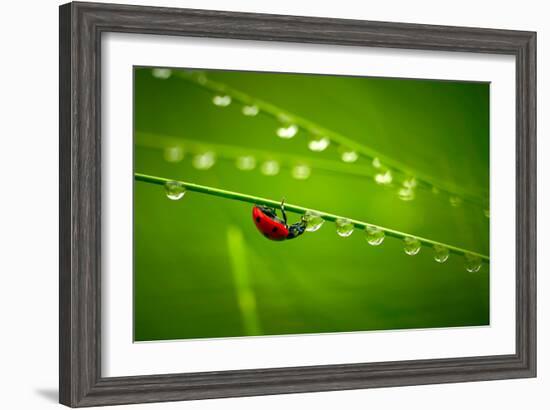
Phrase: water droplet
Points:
(318, 144)
(173, 154)
(486, 213)
(441, 253)
(313, 221)
(270, 168)
(246, 163)
(383, 178)
(221, 100)
(411, 245)
(344, 227)
(410, 182)
(406, 194)
(435, 190)
(374, 236)
(376, 163)
(473, 262)
(201, 78)
(301, 171)
(250, 110)
(174, 190)
(162, 73)
(287, 132)
(455, 201)
(349, 156)
(204, 161)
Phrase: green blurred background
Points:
(202, 270)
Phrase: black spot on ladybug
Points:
(274, 229)
(257, 219)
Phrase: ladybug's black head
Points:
(296, 229)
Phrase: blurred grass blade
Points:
(245, 294)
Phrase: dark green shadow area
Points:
(202, 270)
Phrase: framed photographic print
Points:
(261, 204)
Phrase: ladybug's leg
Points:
(283, 210)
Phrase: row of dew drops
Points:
(207, 159)
(316, 143)
(374, 236)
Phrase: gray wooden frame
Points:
(81, 27)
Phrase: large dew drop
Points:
(250, 110)
(204, 161)
(441, 253)
(318, 144)
(349, 156)
(174, 190)
(344, 227)
(473, 262)
(374, 236)
(162, 73)
(173, 154)
(383, 178)
(406, 194)
(411, 245)
(301, 171)
(221, 100)
(201, 78)
(246, 163)
(270, 168)
(313, 221)
(287, 132)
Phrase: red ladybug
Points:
(274, 228)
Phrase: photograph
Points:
(273, 203)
